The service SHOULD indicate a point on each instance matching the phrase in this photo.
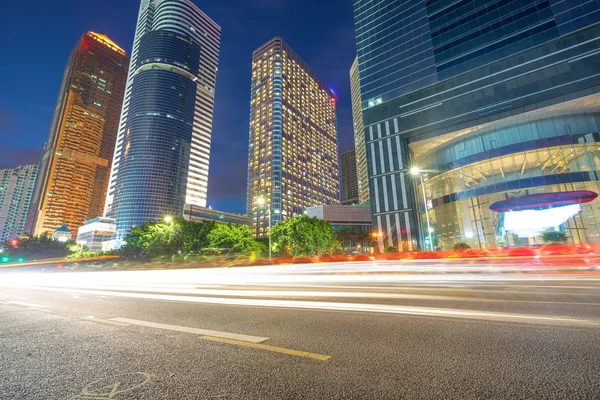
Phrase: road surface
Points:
(328, 331)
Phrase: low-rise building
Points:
(197, 213)
(97, 233)
(352, 223)
(343, 216)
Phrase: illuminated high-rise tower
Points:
(76, 160)
(163, 146)
(293, 151)
(359, 134)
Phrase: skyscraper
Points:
(359, 134)
(349, 177)
(16, 189)
(163, 147)
(293, 151)
(76, 160)
(492, 100)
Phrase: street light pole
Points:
(269, 232)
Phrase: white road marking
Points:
(195, 331)
(30, 305)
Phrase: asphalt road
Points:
(328, 331)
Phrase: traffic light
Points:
(14, 242)
(21, 259)
(5, 259)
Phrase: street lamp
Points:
(378, 236)
(81, 243)
(415, 171)
(261, 201)
(168, 219)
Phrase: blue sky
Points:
(38, 36)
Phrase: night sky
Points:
(38, 36)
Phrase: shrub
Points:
(461, 246)
(390, 249)
(554, 237)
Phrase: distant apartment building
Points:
(293, 150)
(349, 177)
(16, 189)
(162, 153)
(359, 135)
(76, 160)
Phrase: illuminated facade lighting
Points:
(488, 113)
(162, 155)
(76, 160)
(293, 150)
(359, 136)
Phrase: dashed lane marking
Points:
(196, 331)
(282, 350)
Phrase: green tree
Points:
(390, 249)
(36, 248)
(236, 238)
(346, 236)
(304, 236)
(554, 237)
(461, 246)
(165, 239)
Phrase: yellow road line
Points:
(105, 321)
(266, 347)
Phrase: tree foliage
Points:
(390, 249)
(554, 237)
(159, 239)
(304, 236)
(461, 246)
(236, 238)
(183, 238)
(36, 248)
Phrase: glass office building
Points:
(349, 177)
(162, 154)
(293, 149)
(492, 100)
(75, 165)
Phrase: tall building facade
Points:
(349, 177)
(16, 190)
(293, 150)
(163, 146)
(359, 135)
(76, 160)
(492, 100)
